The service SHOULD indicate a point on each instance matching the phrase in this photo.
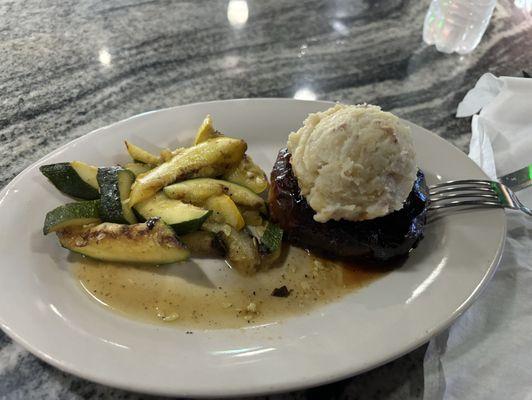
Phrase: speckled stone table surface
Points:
(70, 67)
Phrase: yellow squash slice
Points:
(207, 159)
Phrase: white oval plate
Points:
(43, 308)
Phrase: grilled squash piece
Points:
(198, 190)
(115, 184)
(72, 214)
(241, 251)
(151, 242)
(269, 237)
(225, 211)
(246, 173)
(203, 243)
(205, 131)
(182, 217)
(207, 159)
(74, 178)
(249, 175)
(138, 154)
(137, 168)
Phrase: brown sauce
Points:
(183, 296)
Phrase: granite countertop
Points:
(70, 67)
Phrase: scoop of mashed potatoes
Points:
(353, 162)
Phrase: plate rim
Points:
(424, 337)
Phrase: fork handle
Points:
(518, 180)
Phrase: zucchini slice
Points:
(181, 216)
(137, 168)
(249, 175)
(251, 217)
(151, 242)
(225, 211)
(86, 172)
(139, 154)
(269, 237)
(206, 131)
(242, 253)
(115, 184)
(207, 159)
(199, 190)
(75, 178)
(203, 243)
(72, 214)
(272, 237)
(241, 250)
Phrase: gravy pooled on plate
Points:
(161, 295)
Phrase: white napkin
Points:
(487, 352)
(526, 5)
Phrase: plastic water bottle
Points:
(457, 25)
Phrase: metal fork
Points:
(474, 192)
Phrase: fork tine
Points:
(477, 182)
(459, 203)
(474, 192)
(442, 190)
(471, 196)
